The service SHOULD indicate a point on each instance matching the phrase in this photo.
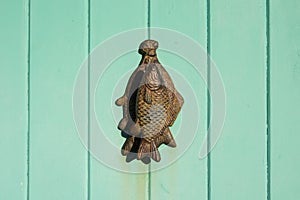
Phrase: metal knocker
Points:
(150, 106)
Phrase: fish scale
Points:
(152, 116)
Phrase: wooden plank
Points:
(107, 19)
(187, 177)
(13, 100)
(58, 47)
(285, 98)
(238, 48)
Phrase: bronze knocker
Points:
(150, 106)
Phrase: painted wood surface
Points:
(284, 99)
(13, 101)
(255, 45)
(58, 35)
(238, 40)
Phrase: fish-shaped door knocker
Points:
(150, 106)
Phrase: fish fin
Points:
(176, 103)
(122, 124)
(120, 101)
(166, 138)
(148, 149)
(148, 96)
(155, 155)
(126, 148)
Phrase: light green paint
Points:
(59, 44)
(58, 167)
(238, 40)
(285, 98)
(13, 100)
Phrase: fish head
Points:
(152, 77)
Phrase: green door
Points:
(255, 46)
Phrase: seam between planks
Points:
(268, 100)
(89, 108)
(149, 181)
(149, 36)
(208, 49)
(148, 17)
(28, 100)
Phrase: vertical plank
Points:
(107, 19)
(13, 98)
(285, 98)
(238, 48)
(58, 46)
(187, 177)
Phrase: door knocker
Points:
(150, 106)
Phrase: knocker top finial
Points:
(148, 47)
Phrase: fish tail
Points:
(148, 149)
